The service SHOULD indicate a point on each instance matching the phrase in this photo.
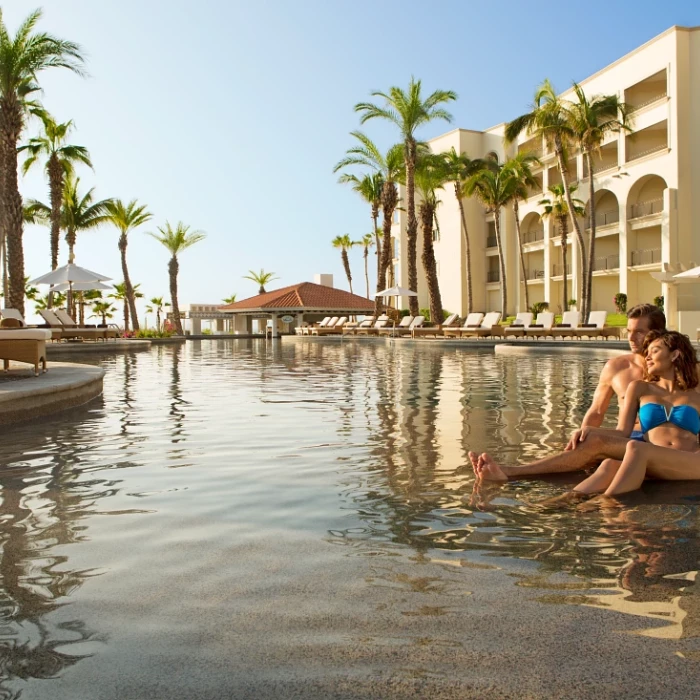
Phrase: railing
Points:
(493, 276)
(633, 155)
(491, 242)
(649, 101)
(648, 256)
(603, 218)
(534, 274)
(533, 234)
(609, 262)
(558, 270)
(652, 206)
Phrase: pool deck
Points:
(70, 348)
(25, 397)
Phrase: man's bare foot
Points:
(485, 468)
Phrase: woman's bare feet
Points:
(485, 468)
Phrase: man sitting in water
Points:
(617, 375)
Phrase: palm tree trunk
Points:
(56, 193)
(3, 262)
(501, 264)
(390, 199)
(427, 214)
(591, 242)
(467, 248)
(516, 212)
(173, 269)
(366, 271)
(412, 224)
(70, 240)
(377, 242)
(126, 314)
(128, 288)
(346, 265)
(11, 216)
(158, 319)
(564, 245)
(559, 150)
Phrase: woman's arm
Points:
(628, 414)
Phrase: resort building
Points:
(647, 199)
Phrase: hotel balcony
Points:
(647, 92)
(606, 160)
(533, 146)
(653, 139)
(647, 256)
(604, 218)
(606, 263)
(538, 189)
(648, 208)
(555, 175)
(534, 274)
(558, 270)
(493, 276)
(534, 234)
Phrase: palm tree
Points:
(60, 158)
(558, 208)
(22, 58)
(409, 111)
(519, 170)
(344, 242)
(366, 242)
(41, 303)
(104, 310)
(127, 217)
(176, 240)
(120, 293)
(262, 278)
(550, 119)
(157, 306)
(460, 168)
(590, 121)
(432, 174)
(87, 297)
(493, 187)
(369, 187)
(389, 166)
(227, 300)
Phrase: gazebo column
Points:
(274, 326)
(196, 326)
(300, 319)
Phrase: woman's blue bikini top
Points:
(651, 415)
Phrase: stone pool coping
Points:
(64, 386)
(53, 349)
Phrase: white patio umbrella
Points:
(396, 292)
(81, 286)
(69, 274)
(693, 273)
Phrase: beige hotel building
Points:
(647, 200)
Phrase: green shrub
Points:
(151, 333)
(620, 300)
(539, 307)
(659, 301)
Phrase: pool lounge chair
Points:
(421, 332)
(374, 329)
(110, 330)
(472, 320)
(404, 328)
(335, 329)
(569, 325)
(321, 324)
(24, 345)
(405, 322)
(70, 333)
(352, 327)
(489, 327)
(520, 324)
(542, 327)
(596, 328)
(14, 315)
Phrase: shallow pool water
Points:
(252, 519)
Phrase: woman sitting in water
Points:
(668, 405)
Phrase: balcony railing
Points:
(493, 276)
(533, 234)
(491, 242)
(648, 101)
(534, 274)
(603, 218)
(647, 256)
(558, 270)
(609, 262)
(633, 154)
(652, 206)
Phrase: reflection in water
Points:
(359, 445)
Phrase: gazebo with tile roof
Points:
(299, 300)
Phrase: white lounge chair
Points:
(520, 324)
(542, 326)
(472, 320)
(489, 327)
(110, 330)
(569, 325)
(405, 328)
(334, 329)
(595, 328)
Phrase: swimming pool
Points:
(252, 519)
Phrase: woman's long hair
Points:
(685, 364)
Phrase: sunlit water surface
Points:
(247, 510)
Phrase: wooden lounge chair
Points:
(24, 345)
(335, 329)
(421, 332)
(489, 327)
(472, 320)
(595, 326)
(70, 333)
(569, 325)
(520, 324)
(405, 322)
(14, 315)
(352, 327)
(381, 322)
(404, 328)
(542, 327)
(321, 324)
(110, 330)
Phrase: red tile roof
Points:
(303, 296)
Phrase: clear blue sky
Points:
(230, 115)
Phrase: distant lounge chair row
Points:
(570, 326)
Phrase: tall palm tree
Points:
(493, 187)
(344, 243)
(557, 207)
(227, 300)
(460, 168)
(22, 59)
(103, 310)
(262, 278)
(390, 166)
(550, 119)
(590, 121)
(121, 293)
(519, 170)
(87, 297)
(432, 174)
(60, 158)
(366, 242)
(127, 217)
(157, 306)
(409, 111)
(176, 240)
(369, 187)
